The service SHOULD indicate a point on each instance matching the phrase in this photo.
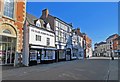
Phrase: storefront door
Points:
(7, 50)
(68, 54)
(39, 56)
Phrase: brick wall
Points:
(17, 22)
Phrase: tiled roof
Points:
(111, 36)
(100, 43)
(117, 38)
(30, 18)
(70, 24)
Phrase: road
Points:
(87, 69)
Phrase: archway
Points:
(8, 37)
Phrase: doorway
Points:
(7, 50)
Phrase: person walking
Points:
(112, 57)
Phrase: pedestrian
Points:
(112, 57)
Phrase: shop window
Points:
(33, 55)
(9, 8)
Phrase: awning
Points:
(116, 50)
(50, 48)
(37, 47)
(40, 47)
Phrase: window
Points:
(38, 38)
(56, 33)
(48, 26)
(48, 41)
(60, 39)
(57, 39)
(7, 32)
(60, 33)
(38, 24)
(9, 8)
(110, 43)
(56, 23)
(68, 29)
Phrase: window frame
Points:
(48, 41)
(14, 7)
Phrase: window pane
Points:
(9, 8)
(7, 31)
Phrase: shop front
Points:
(74, 54)
(35, 56)
(41, 55)
(39, 46)
(61, 55)
(48, 56)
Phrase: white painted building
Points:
(63, 37)
(39, 41)
(78, 44)
(100, 49)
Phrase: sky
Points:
(98, 20)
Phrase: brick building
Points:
(110, 44)
(116, 46)
(87, 46)
(12, 16)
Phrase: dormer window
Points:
(48, 26)
(38, 24)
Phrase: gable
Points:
(38, 24)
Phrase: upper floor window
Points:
(48, 41)
(48, 26)
(68, 29)
(38, 24)
(38, 38)
(9, 8)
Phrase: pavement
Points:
(101, 58)
(86, 69)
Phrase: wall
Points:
(35, 31)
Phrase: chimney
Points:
(78, 30)
(45, 13)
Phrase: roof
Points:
(111, 36)
(117, 38)
(100, 43)
(79, 33)
(30, 18)
(70, 24)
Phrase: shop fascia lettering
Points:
(38, 31)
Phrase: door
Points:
(39, 56)
(68, 54)
(56, 55)
(7, 50)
